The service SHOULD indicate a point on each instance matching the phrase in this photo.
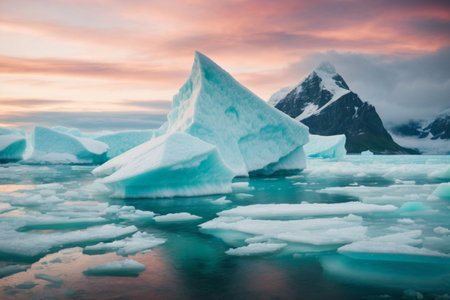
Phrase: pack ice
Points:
(326, 146)
(217, 130)
(12, 145)
(51, 146)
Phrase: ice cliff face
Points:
(250, 135)
(325, 103)
(12, 145)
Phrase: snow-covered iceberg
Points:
(12, 147)
(50, 146)
(174, 164)
(120, 142)
(326, 146)
(251, 136)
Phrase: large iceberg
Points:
(251, 136)
(175, 164)
(12, 147)
(51, 146)
(120, 142)
(326, 146)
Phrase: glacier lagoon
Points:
(363, 227)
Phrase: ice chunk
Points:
(268, 211)
(249, 134)
(221, 200)
(140, 242)
(51, 146)
(126, 267)
(120, 142)
(321, 231)
(442, 191)
(256, 249)
(367, 153)
(241, 186)
(326, 146)
(30, 244)
(176, 217)
(12, 147)
(175, 164)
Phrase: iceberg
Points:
(12, 147)
(332, 146)
(120, 142)
(175, 164)
(51, 146)
(250, 135)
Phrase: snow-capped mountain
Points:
(439, 128)
(429, 137)
(324, 102)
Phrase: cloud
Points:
(89, 69)
(400, 88)
(89, 121)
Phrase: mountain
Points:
(439, 128)
(429, 137)
(325, 103)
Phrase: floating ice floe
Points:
(140, 242)
(256, 249)
(53, 147)
(326, 146)
(176, 217)
(316, 232)
(397, 167)
(251, 136)
(120, 142)
(398, 193)
(398, 246)
(30, 244)
(269, 211)
(126, 267)
(12, 147)
(175, 164)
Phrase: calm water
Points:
(193, 264)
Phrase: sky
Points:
(116, 64)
